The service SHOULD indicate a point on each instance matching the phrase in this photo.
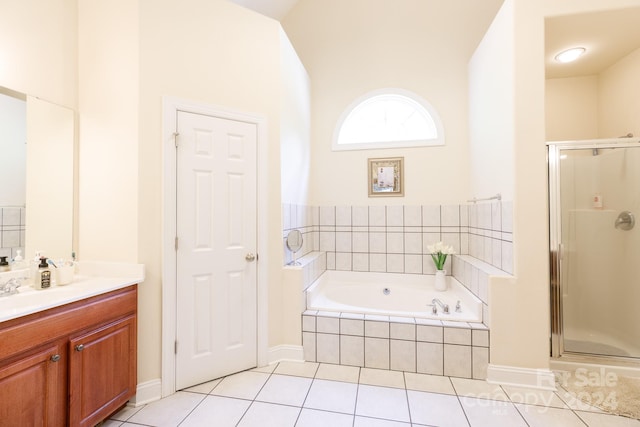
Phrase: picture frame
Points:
(386, 176)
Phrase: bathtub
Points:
(391, 294)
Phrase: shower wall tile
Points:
(361, 262)
(12, 231)
(413, 243)
(412, 216)
(395, 216)
(360, 216)
(377, 216)
(343, 216)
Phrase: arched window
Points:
(388, 118)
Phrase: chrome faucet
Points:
(445, 307)
(10, 287)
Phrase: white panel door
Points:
(216, 229)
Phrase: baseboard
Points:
(282, 353)
(147, 392)
(521, 377)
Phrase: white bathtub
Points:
(409, 295)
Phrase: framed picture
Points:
(386, 177)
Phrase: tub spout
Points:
(445, 307)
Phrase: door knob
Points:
(250, 257)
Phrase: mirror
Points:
(294, 244)
(37, 167)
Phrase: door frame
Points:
(170, 108)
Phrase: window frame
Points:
(428, 108)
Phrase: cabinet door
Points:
(102, 371)
(32, 389)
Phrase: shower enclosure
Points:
(594, 189)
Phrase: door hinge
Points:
(175, 138)
(175, 347)
(175, 243)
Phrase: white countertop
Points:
(91, 278)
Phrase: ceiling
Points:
(608, 36)
(276, 9)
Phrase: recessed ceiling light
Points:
(570, 55)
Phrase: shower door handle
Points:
(625, 221)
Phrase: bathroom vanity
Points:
(70, 358)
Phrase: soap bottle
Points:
(4, 265)
(18, 262)
(43, 276)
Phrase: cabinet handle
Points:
(55, 358)
(80, 347)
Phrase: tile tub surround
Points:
(436, 347)
(394, 239)
(12, 230)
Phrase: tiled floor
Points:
(323, 395)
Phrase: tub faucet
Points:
(10, 287)
(445, 307)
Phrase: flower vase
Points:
(441, 280)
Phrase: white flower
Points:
(439, 252)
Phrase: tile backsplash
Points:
(12, 230)
(394, 239)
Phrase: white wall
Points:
(38, 49)
(571, 108)
(619, 96)
(491, 105)
(351, 48)
(295, 126)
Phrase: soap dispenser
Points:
(4, 265)
(18, 262)
(43, 276)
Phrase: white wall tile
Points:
(413, 264)
(403, 355)
(457, 360)
(457, 336)
(480, 338)
(480, 362)
(343, 261)
(351, 350)
(412, 216)
(309, 346)
(378, 243)
(395, 243)
(402, 331)
(360, 262)
(309, 323)
(343, 215)
(343, 241)
(464, 215)
(327, 241)
(352, 327)
(429, 333)
(360, 216)
(377, 216)
(378, 263)
(507, 216)
(429, 358)
(360, 241)
(11, 216)
(431, 216)
(395, 216)
(327, 215)
(376, 329)
(395, 263)
(328, 348)
(413, 243)
(496, 216)
(376, 353)
(507, 257)
(450, 215)
(329, 325)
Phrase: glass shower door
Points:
(596, 193)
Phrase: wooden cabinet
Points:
(70, 365)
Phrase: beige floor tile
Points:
(429, 383)
(327, 371)
(530, 396)
(478, 388)
(381, 377)
(298, 369)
